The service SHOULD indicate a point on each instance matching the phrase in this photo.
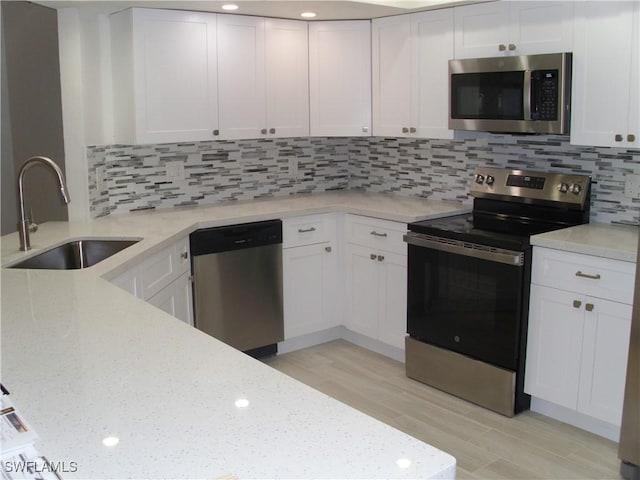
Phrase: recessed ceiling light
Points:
(308, 14)
(230, 6)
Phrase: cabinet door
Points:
(554, 345)
(164, 75)
(362, 272)
(241, 76)
(481, 30)
(432, 50)
(340, 78)
(604, 359)
(176, 299)
(392, 76)
(130, 282)
(513, 28)
(602, 72)
(287, 77)
(541, 27)
(309, 275)
(392, 293)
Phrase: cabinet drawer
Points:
(585, 274)
(308, 230)
(376, 233)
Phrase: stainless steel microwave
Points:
(523, 94)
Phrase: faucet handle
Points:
(33, 226)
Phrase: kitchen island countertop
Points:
(84, 360)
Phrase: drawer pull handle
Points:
(589, 307)
(586, 275)
(577, 303)
(376, 234)
(306, 230)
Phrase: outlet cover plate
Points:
(175, 170)
(632, 185)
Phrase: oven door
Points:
(466, 298)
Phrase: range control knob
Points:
(576, 189)
(563, 187)
(489, 180)
(480, 179)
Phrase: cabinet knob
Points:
(365, 129)
(327, 249)
(589, 307)
(631, 138)
(405, 130)
(577, 303)
(263, 131)
(512, 47)
(380, 258)
(272, 130)
(216, 133)
(373, 256)
(412, 130)
(618, 137)
(184, 255)
(502, 47)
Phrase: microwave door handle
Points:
(528, 95)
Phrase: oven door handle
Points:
(483, 252)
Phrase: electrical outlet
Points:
(632, 185)
(175, 170)
(293, 168)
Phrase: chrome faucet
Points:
(25, 225)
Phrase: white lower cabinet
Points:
(176, 298)
(578, 340)
(310, 273)
(163, 280)
(376, 289)
(376, 279)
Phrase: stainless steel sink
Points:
(76, 254)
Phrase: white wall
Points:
(85, 78)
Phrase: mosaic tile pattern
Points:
(443, 169)
(135, 177)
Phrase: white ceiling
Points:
(325, 9)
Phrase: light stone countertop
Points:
(617, 242)
(85, 360)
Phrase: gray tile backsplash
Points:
(138, 177)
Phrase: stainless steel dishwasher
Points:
(237, 287)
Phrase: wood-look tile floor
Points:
(486, 445)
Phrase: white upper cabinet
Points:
(410, 76)
(340, 78)
(164, 76)
(513, 28)
(241, 77)
(606, 105)
(287, 80)
(392, 70)
(263, 80)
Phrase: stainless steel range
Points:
(468, 284)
